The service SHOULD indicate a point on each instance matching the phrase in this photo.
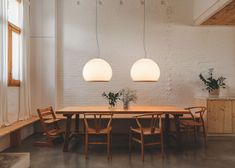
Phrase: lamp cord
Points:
(96, 30)
(144, 30)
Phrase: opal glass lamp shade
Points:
(145, 70)
(97, 70)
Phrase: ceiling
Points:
(225, 16)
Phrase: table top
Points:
(120, 110)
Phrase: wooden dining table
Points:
(68, 112)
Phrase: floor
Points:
(220, 153)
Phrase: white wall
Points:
(181, 50)
(42, 21)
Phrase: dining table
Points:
(168, 111)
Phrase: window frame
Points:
(12, 28)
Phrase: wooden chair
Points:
(153, 129)
(50, 127)
(98, 128)
(194, 122)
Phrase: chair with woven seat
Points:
(95, 125)
(154, 129)
(50, 126)
(194, 122)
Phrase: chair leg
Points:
(86, 145)
(188, 135)
(111, 144)
(130, 139)
(50, 141)
(62, 137)
(162, 145)
(142, 147)
(195, 134)
(108, 145)
(204, 134)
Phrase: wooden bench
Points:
(14, 130)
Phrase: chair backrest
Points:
(98, 121)
(45, 113)
(197, 112)
(155, 121)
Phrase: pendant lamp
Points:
(97, 69)
(145, 69)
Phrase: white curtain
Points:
(3, 63)
(25, 100)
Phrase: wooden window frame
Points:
(11, 28)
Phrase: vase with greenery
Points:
(213, 84)
(126, 96)
(112, 98)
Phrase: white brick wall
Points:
(43, 52)
(181, 50)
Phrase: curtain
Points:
(3, 63)
(25, 100)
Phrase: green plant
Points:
(111, 97)
(211, 82)
(126, 96)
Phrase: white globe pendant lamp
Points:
(97, 69)
(145, 69)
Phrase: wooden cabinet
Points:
(221, 116)
(233, 115)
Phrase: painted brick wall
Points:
(181, 50)
(43, 53)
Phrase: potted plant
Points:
(213, 84)
(112, 98)
(126, 96)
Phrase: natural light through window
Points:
(15, 55)
(14, 12)
(14, 42)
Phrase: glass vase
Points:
(112, 107)
(126, 105)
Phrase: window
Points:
(14, 42)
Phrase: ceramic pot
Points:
(214, 93)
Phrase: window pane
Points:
(15, 56)
(14, 12)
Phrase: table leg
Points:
(67, 132)
(178, 132)
(77, 124)
(167, 129)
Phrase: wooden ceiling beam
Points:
(225, 16)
